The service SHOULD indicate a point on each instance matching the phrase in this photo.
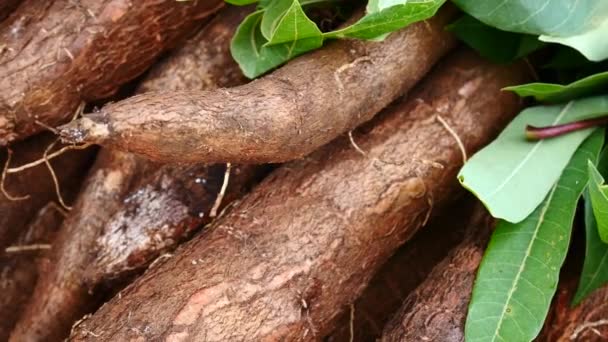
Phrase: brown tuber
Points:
(57, 54)
(585, 322)
(19, 265)
(36, 184)
(437, 309)
(403, 272)
(132, 210)
(280, 117)
(293, 254)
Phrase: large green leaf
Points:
(296, 31)
(494, 44)
(519, 272)
(511, 176)
(591, 43)
(598, 195)
(272, 15)
(579, 24)
(252, 54)
(375, 24)
(548, 92)
(595, 268)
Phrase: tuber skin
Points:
(585, 322)
(167, 205)
(49, 317)
(403, 272)
(147, 210)
(37, 183)
(294, 253)
(281, 117)
(7, 7)
(437, 310)
(19, 271)
(59, 53)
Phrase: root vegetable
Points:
(140, 208)
(36, 183)
(281, 117)
(290, 257)
(59, 53)
(49, 317)
(403, 273)
(19, 267)
(588, 321)
(437, 310)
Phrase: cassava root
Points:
(144, 209)
(585, 322)
(19, 268)
(298, 250)
(437, 309)
(36, 184)
(403, 272)
(280, 117)
(56, 54)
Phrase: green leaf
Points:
(595, 268)
(592, 43)
(519, 272)
(494, 44)
(249, 50)
(272, 15)
(579, 24)
(511, 176)
(387, 20)
(548, 92)
(374, 6)
(294, 27)
(598, 195)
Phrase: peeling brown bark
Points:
(146, 208)
(19, 270)
(437, 310)
(280, 117)
(289, 258)
(402, 273)
(59, 53)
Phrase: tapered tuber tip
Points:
(89, 129)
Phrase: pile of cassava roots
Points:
(151, 192)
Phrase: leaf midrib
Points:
(541, 219)
(528, 155)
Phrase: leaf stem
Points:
(538, 133)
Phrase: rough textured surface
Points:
(147, 210)
(402, 273)
(437, 310)
(58, 53)
(586, 322)
(204, 62)
(288, 259)
(50, 319)
(37, 183)
(281, 117)
(165, 206)
(19, 270)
